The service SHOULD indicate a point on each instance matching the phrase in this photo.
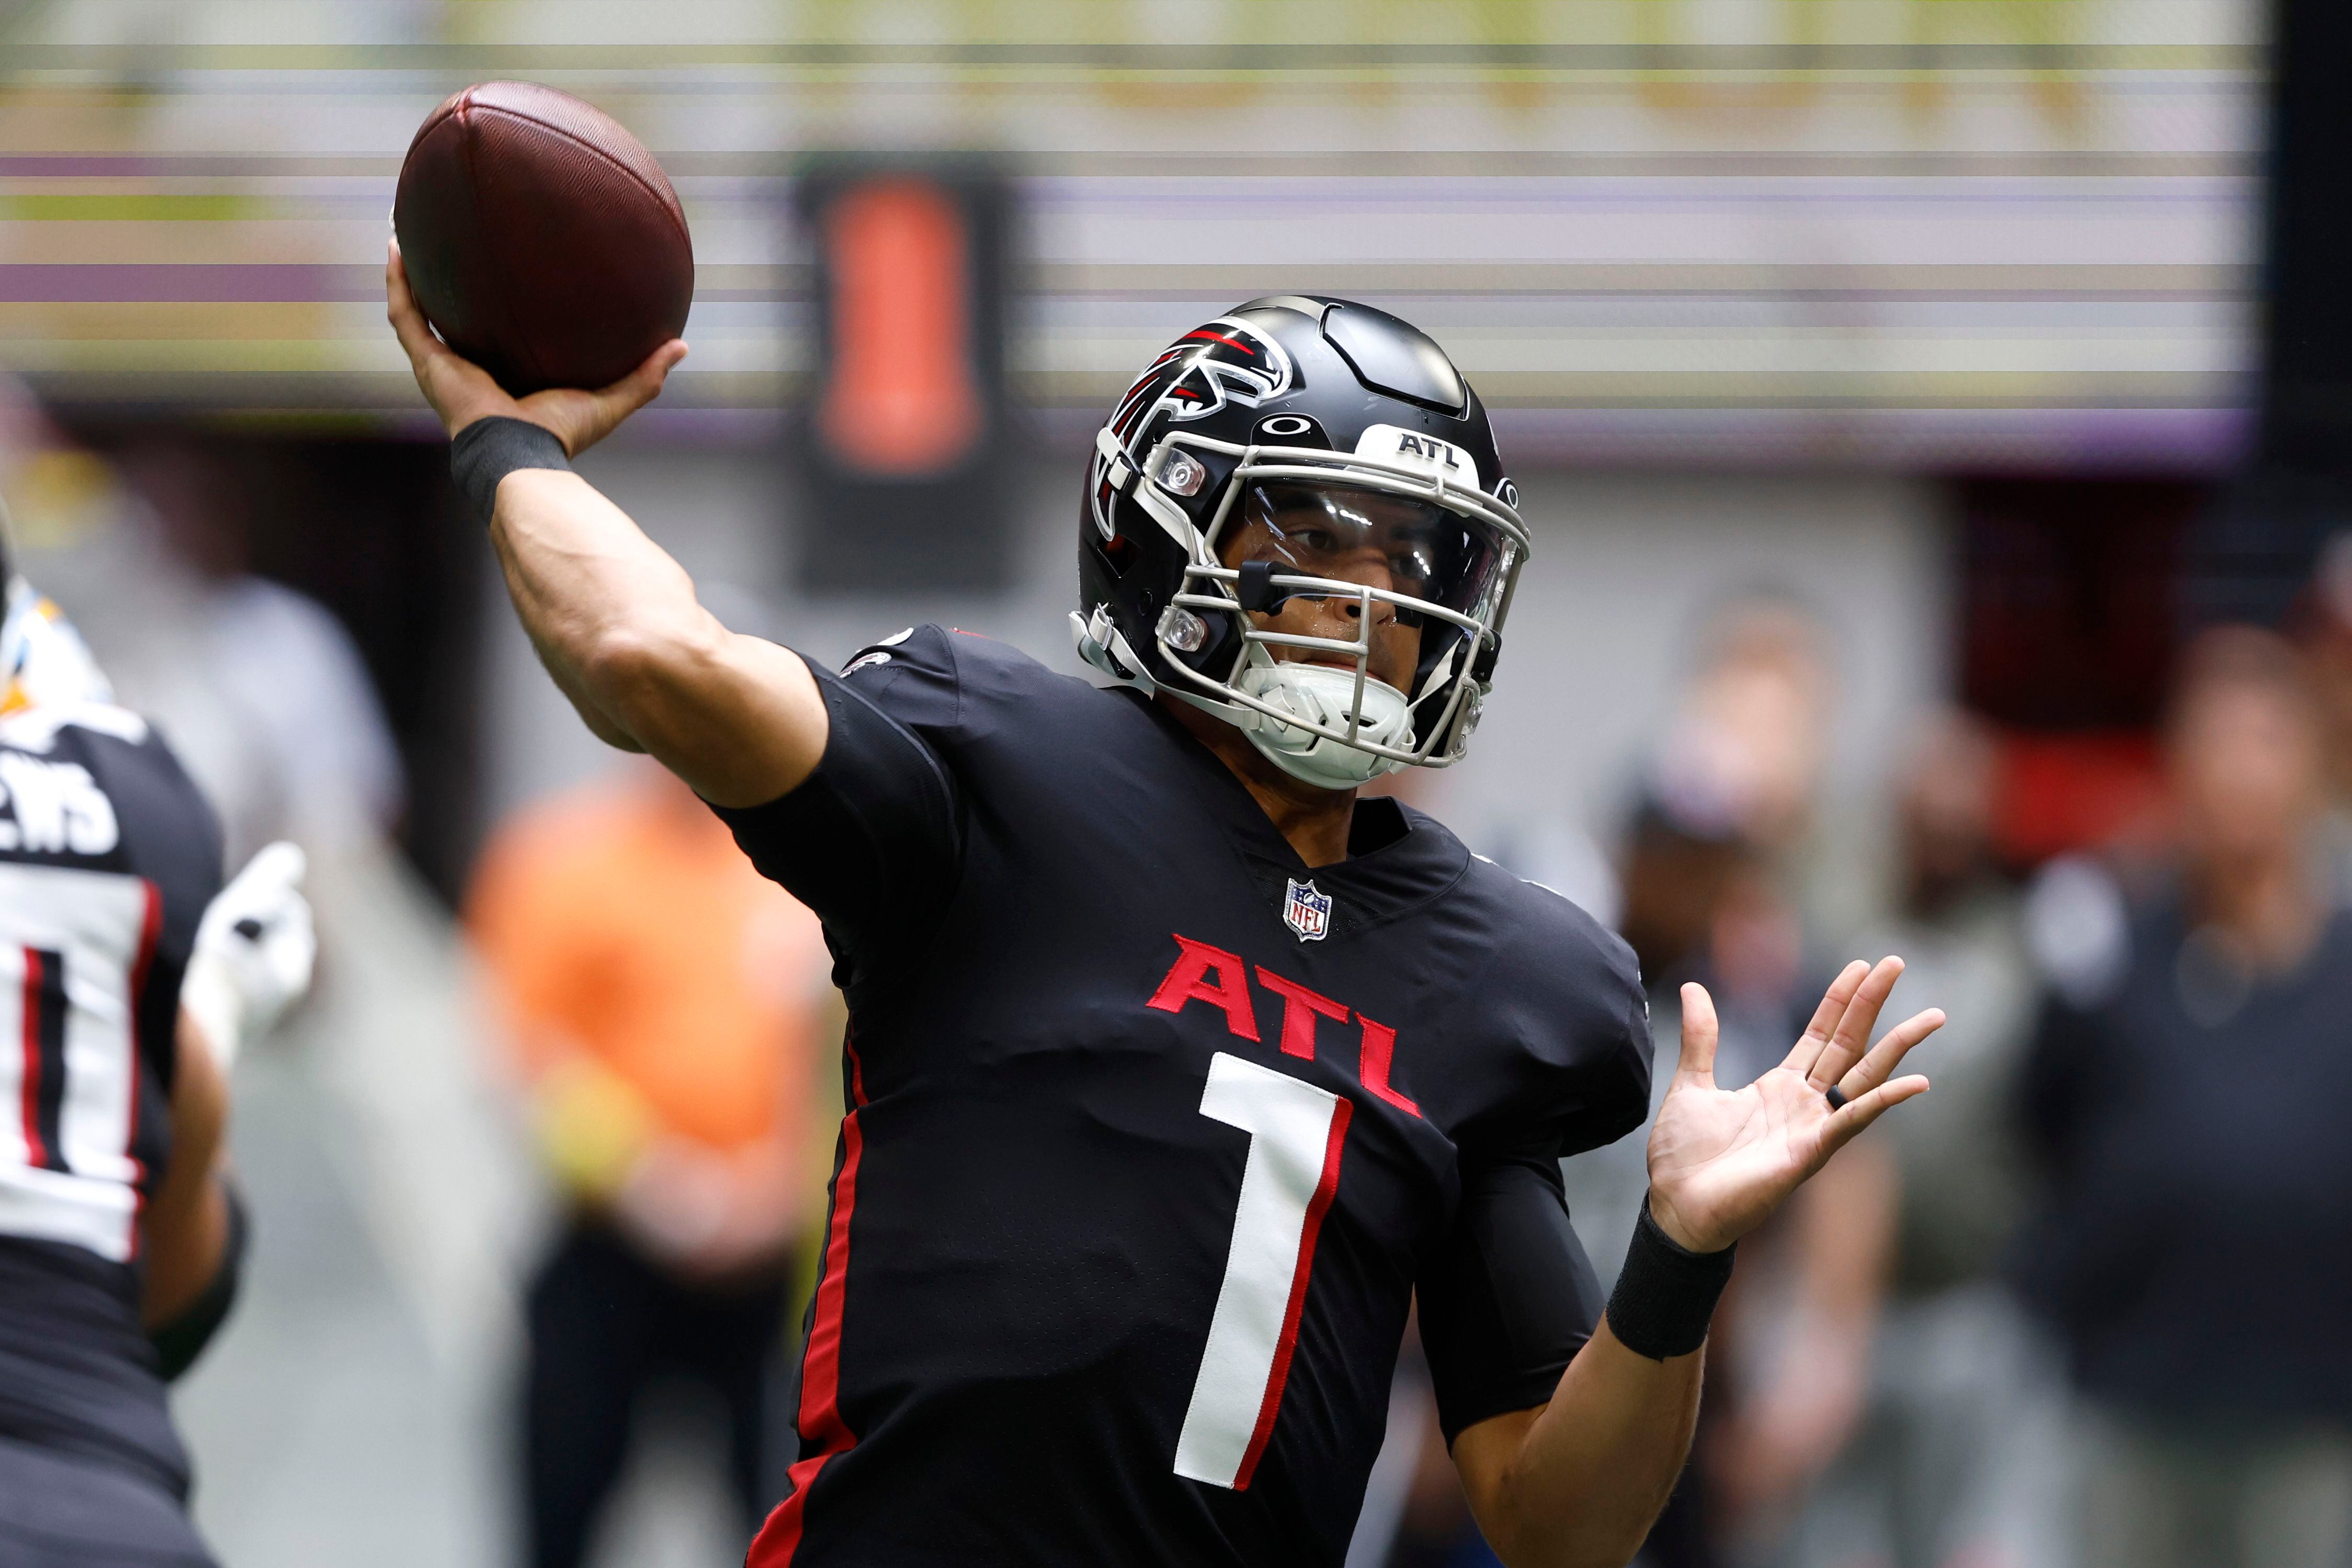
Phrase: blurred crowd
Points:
(2079, 1306)
(2083, 1303)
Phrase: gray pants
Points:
(1959, 1462)
(2155, 1496)
(64, 1511)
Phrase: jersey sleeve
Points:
(872, 840)
(1510, 1297)
(1566, 994)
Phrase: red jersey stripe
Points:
(819, 1418)
(151, 928)
(36, 1154)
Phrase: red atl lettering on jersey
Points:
(1373, 1066)
(1300, 1008)
(1190, 979)
(1189, 982)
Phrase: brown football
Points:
(541, 239)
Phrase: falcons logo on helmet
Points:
(1207, 369)
(1200, 372)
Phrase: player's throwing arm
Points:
(614, 618)
(550, 247)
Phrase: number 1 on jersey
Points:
(1297, 1132)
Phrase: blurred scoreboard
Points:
(1929, 234)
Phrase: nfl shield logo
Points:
(1308, 912)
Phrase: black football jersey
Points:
(1154, 1131)
(107, 857)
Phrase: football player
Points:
(127, 986)
(1176, 1071)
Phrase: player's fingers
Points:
(644, 384)
(400, 308)
(1879, 1064)
(280, 864)
(1698, 1032)
(1809, 1044)
(459, 391)
(1855, 1115)
(610, 405)
(1852, 1037)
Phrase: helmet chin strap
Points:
(1321, 694)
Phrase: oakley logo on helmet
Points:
(1296, 427)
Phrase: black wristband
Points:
(1666, 1292)
(487, 450)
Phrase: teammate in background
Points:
(665, 1002)
(129, 988)
(1175, 1073)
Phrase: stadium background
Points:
(1936, 317)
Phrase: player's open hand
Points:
(462, 392)
(1720, 1161)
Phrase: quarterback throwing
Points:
(1175, 1071)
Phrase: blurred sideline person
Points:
(1125, 1224)
(2321, 624)
(1949, 1467)
(269, 706)
(130, 987)
(2186, 1093)
(1739, 781)
(1432, 1525)
(288, 671)
(1719, 834)
(665, 1002)
(1721, 846)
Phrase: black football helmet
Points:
(1302, 405)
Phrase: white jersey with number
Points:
(108, 856)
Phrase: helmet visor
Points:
(1401, 545)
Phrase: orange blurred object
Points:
(901, 400)
(624, 927)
